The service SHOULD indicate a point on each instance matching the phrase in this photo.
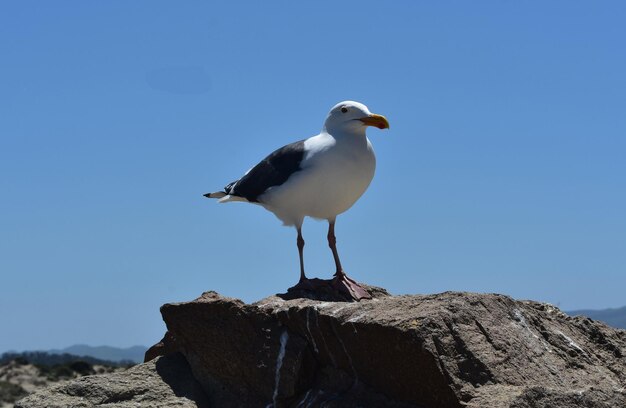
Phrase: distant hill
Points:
(45, 359)
(108, 353)
(30, 371)
(612, 317)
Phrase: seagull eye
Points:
(344, 109)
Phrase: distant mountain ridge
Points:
(612, 317)
(22, 373)
(43, 358)
(108, 353)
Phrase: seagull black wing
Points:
(274, 170)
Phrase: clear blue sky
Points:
(504, 169)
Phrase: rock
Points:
(444, 350)
(448, 350)
(540, 397)
(162, 348)
(161, 383)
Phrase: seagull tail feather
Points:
(228, 198)
(224, 197)
(217, 194)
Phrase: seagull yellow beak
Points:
(376, 120)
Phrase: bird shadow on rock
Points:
(323, 290)
(174, 370)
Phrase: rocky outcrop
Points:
(24, 373)
(161, 383)
(445, 350)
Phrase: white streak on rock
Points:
(279, 363)
(334, 312)
(571, 342)
(345, 350)
(517, 315)
(340, 308)
(314, 400)
(357, 317)
(332, 359)
(306, 397)
(308, 328)
(274, 302)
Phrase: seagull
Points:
(319, 177)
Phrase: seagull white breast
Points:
(334, 173)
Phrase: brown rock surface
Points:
(444, 350)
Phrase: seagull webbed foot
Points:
(343, 284)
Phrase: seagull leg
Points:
(341, 281)
(304, 283)
(332, 243)
(300, 242)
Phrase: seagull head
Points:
(352, 117)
